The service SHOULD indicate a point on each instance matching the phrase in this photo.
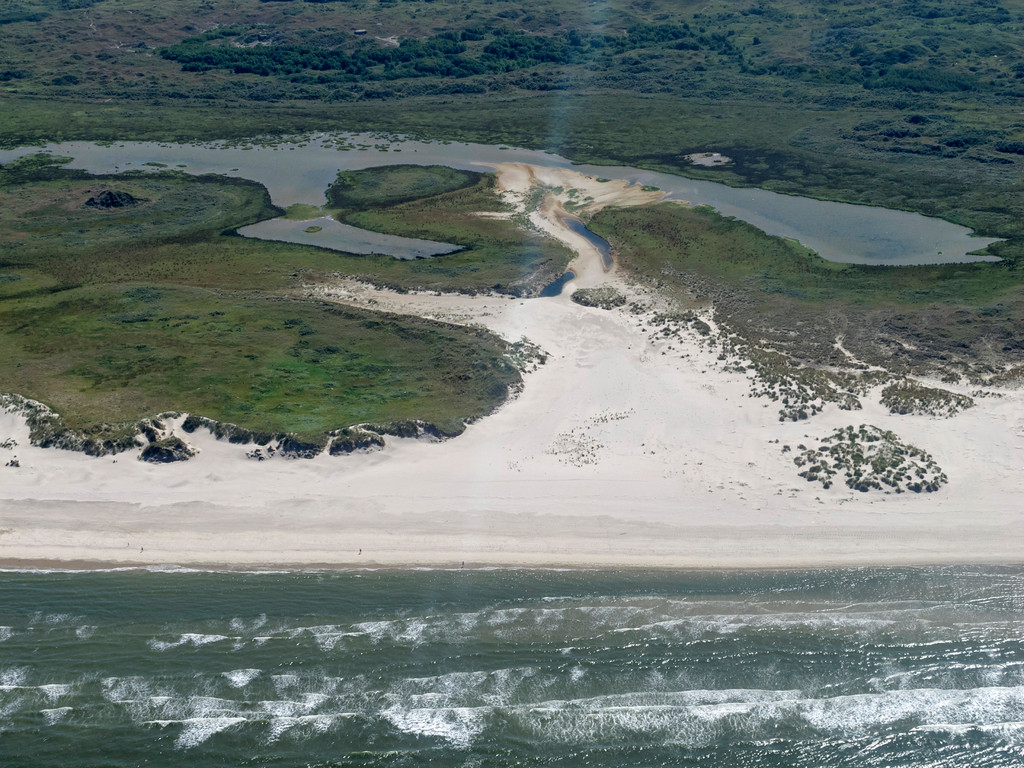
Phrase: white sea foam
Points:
(238, 624)
(54, 716)
(318, 723)
(469, 689)
(54, 691)
(288, 707)
(456, 725)
(690, 698)
(85, 631)
(239, 678)
(196, 730)
(660, 616)
(52, 619)
(131, 689)
(201, 716)
(6, 633)
(284, 682)
(947, 673)
(701, 717)
(326, 636)
(13, 677)
(405, 631)
(856, 715)
(1011, 732)
(731, 624)
(189, 638)
(505, 624)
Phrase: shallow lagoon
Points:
(300, 172)
(343, 237)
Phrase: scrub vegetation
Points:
(111, 315)
(442, 204)
(956, 320)
(109, 311)
(914, 105)
(868, 458)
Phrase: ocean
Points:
(839, 667)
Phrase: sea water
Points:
(872, 667)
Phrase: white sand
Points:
(619, 452)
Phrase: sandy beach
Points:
(622, 450)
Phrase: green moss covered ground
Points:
(111, 315)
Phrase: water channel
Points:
(301, 170)
(603, 246)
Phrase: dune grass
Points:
(462, 208)
(941, 320)
(112, 315)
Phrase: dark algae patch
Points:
(113, 199)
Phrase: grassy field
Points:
(112, 315)
(111, 354)
(391, 185)
(911, 106)
(956, 319)
(915, 105)
(497, 253)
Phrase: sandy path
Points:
(620, 451)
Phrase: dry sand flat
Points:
(566, 189)
(620, 451)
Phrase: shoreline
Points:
(15, 565)
(626, 449)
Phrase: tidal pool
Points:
(329, 233)
(300, 172)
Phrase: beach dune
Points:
(622, 450)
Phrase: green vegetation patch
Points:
(869, 458)
(952, 319)
(905, 397)
(302, 212)
(112, 314)
(497, 253)
(114, 354)
(602, 297)
(72, 212)
(390, 185)
(912, 106)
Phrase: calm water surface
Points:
(875, 667)
(603, 246)
(300, 172)
(344, 237)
